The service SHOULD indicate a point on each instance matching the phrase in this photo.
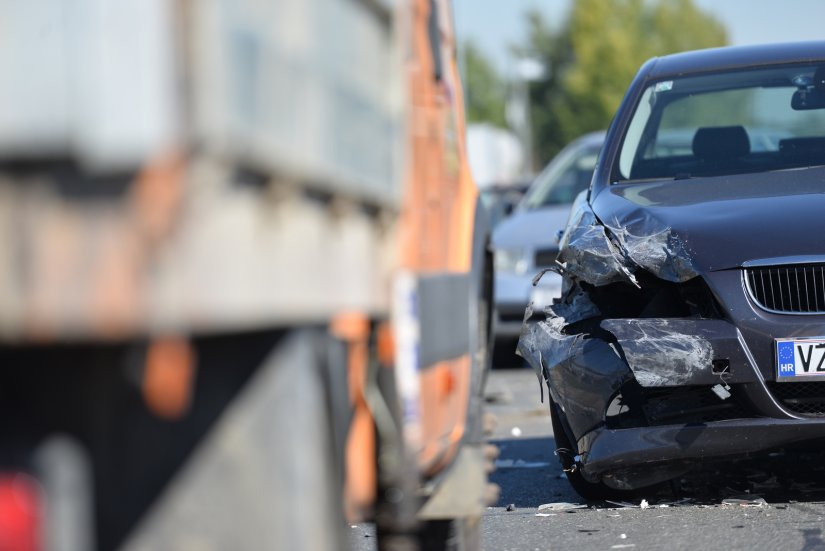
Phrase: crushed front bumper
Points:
(658, 366)
(637, 457)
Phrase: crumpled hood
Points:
(722, 222)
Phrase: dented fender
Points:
(582, 374)
(600, 253)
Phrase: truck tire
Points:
(308, 472)
(461, 534)
(268, 475)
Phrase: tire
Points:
(447, 534)
(590, 491)
(461, 534)
(308, 472)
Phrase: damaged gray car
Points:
(691, 325)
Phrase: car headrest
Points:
(721, 142)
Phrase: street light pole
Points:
(519, 109)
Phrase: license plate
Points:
(800, 359)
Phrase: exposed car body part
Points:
(600, 254)
(688, 268)
(676, 352)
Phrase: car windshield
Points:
(564, 178)
(734, 122)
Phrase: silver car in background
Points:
(527, 241)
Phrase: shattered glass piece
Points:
(658, 353)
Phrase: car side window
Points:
(573, 180)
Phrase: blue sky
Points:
(495, 24)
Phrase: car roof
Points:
(733, 57)
(589, 139)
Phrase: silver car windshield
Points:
(734, 122)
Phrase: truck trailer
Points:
(246, 277)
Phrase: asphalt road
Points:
(529, 476)
(538, 509)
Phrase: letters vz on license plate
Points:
(800, 359)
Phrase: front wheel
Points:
(590, 491)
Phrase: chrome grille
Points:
(788, 289)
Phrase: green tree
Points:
(483, 87)
(594, 55)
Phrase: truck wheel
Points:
(461, 534)
(307, 472)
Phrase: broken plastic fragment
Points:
(520, 464)
(561, 506)
(623, 504)
(661, 352)
(756, 502)
(644, 504)
(721, 391)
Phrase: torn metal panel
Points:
(588, 254)
(653, 246)
(582, 373)
(601, 254)
(660, 356)
(675, 352)
(584, 384)
(544, 345)
(574, 306)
